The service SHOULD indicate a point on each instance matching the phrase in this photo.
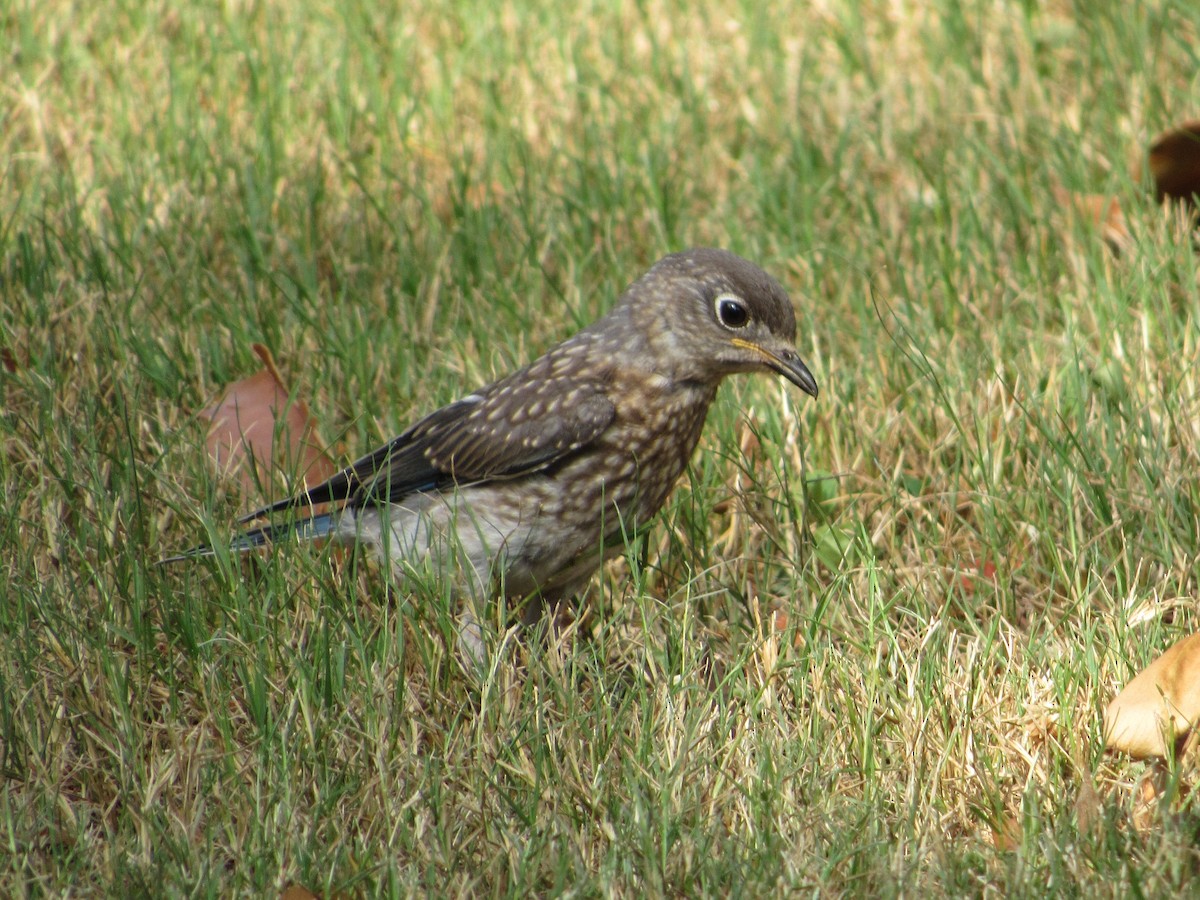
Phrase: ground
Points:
(867, 646)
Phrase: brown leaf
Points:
(987, 573)
(297, 892)
(1175, 163)
(1087, 803)
(449, 204)
(1007, 833)
(243, 427)
(1149, 795)
(1104, 212)
(1163, 698)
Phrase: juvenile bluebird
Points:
(525, 486)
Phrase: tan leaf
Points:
(243, 429)
(297, 892)
(1163, 699)
(1104, 212)
(1149, 795)
(1087, 803)
(1175, 163)
(1007, 833)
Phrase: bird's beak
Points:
(786, 362)
(792, 367)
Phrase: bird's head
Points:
(708, 313)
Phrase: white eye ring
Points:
(731, 311)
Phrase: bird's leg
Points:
(557, 610)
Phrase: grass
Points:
(867, 647)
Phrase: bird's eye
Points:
(732, 312)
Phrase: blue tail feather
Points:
(310, 529)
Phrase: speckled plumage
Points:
(528, 482)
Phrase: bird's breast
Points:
(631, 468)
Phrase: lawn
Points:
(866, 648)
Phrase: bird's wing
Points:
(511, 430)
(513, 427)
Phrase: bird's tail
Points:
(311, 529)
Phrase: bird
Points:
(524, 487)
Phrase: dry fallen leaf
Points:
(297, 892)
(1163, 698)
(243, 429)
(986, 570)
(1087, 803)
(1175, 163)
(1148, 799)
(448, 205)
(1007, 833)
(1104, 212)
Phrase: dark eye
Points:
(732, 312)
